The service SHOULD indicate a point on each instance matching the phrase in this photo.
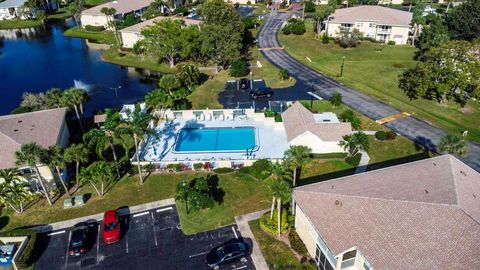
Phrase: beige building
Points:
(131, 35)
(321, 132)
(377, 22)
(94, 16)
(46, 128)
(419, 215)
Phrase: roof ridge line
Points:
(384, 199)
(10, 138)
(454, 178)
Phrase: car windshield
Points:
(77, 243)
(110, 226)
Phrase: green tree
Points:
(34, 101)
(74, 98)
(154, 10)
(281, 192)
(434, 34)
(111, 23)
(297, 156)
(196, 194)
(41, 15)
(348, 38)
(54, 97)
(137, 126)
(239, 68)
(309, 6)
(278, 172)
(349, 116)
(14, 191)
(336, 99)
(321, 16)
(354, 143)
(77, 153)
(159, 100)
(418, 19)
(98, 175)
(181, 194)
(189, 75)
(169, 83)
(453, 145)
(54, 158)
(464, 21)
(283, 74)
(29, 154)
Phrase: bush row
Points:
(382, 135)
(93, 28)
(271, 225)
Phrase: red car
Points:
(110, 227)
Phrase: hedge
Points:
(197, 166)
(271, 225)
(223, 170)
(381, 135)
(92, 28)
(296, 243)
(330, 155)
(28, 255)
(355, 160)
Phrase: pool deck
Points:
(271, 139)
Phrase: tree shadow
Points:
(4, 220)
(217, 192)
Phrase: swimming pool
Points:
(215, 139)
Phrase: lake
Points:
(36, 59)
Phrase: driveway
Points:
(411, 127)
(153, 240)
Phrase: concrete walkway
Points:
(242, 223)
(97, 217)
(362, 165)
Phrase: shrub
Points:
(260, 169)
(325, 39)
(245, 170)
(296, 243)
(223, 170)
(349, 116)
(349, 39)
(391, 42)
(270, 225)
(355, 160)
(249, 2)
(197, 166)
(249, 22)
(239, 68)
(336, 99)
(21, 110)
(93, 28)
(309, 6)
(399, 65)
(381, 135)
(182, 11)
(391, 135)
(29, 253)
(283, 74)
(278, 118)
(176, 167)
(294, 26)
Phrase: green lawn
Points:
(15, 24)
(324, 169)
(205, 95)
(374, 69)
(124, 58)
(60, 14)
(104, 37)
(91, 3)
(276, 253)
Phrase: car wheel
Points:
(243, 260)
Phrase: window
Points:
(371, 25)
(321, 260)
(360, 24)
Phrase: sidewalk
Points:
(362, 165)
(121, 212)
(242, 223)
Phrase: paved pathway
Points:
(97, 217)
(363, 164)
(411, 127)
(242, 223)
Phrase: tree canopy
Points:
(464, 21)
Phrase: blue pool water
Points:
(215, 139)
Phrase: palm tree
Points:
(29, 154)
(278, 172)
(281, 192)
(14, 191)
(99, 172)
(74, 98)
(159, 100)
(110, 12)
(453, 145)
(297, 156)
(53, 96)
(137, 126)
(354, 143)
(77, 153)
(54, 157)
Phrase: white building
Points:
(132, 34)
(321, 132)
(377, 22)
(12, 9)
(418, 215)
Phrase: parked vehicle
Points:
(244, 83)
(261, 92)
(78, 239)
(227, 253)
(110, 227)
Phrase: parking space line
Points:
(98, 238)
(154, 234)
(241, 267)
(141, 214)
(198, 254)
(164, 209)
(235, 232)
(68, 246)
(55, 233)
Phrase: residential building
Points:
(321, 132)
(94, 16)
(376, 22)
(46, 128)
(131, 35)
(419, 215)
(12, 9)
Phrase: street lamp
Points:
(343, 63)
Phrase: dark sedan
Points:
(227, 253)
(261, 92)
(78, 240)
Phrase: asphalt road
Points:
(152, 240)
(413, 128)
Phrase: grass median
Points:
(104, 37)
(17, 24)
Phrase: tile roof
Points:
(12, 3)
(378, 14)
(41, 127)
(139, 26)
(121, 6)
(298, 120)
(419, 215)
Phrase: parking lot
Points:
(152, 240)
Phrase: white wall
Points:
(316, 144)
(14, 13)
(129, 39)
(95, 20)
(306, 231)
(399, 34)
